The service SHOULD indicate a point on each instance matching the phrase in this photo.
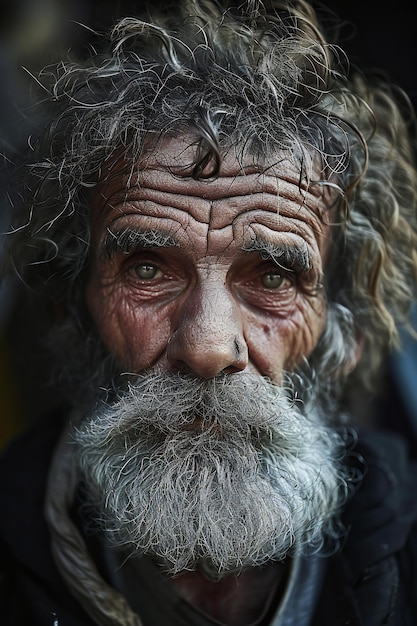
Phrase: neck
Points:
(237, 599)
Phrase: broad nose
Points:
(209, 335)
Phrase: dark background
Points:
(34, 33)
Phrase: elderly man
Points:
(221, 224)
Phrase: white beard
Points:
(221, 474)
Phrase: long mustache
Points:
(169, 403)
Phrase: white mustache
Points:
(228, 403)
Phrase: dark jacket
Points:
(370, 582)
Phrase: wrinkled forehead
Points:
(170, 165)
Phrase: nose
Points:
(209, 335)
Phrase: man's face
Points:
(208, 276)
(207, 291)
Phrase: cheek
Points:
(277, 344)
(135, 335)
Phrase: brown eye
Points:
(144, 271)
(272, 280)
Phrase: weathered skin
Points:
(203, 303)
(206, 304)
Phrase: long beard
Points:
(218, 475)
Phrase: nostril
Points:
(232, 369)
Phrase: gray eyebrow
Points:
(128, 240)
(292, 258)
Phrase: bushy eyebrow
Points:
(291, 257)
(128, 240)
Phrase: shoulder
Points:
(31, 589)
(383, 509)
(372, 579)
(23, 470)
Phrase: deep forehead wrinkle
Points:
(215, 203)
(227, 186)
(292, 256)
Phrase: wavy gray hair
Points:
(260, 77)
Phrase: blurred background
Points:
(35, 33)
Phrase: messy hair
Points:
(259, 78)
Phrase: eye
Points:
(146, 271)
(272, 280)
